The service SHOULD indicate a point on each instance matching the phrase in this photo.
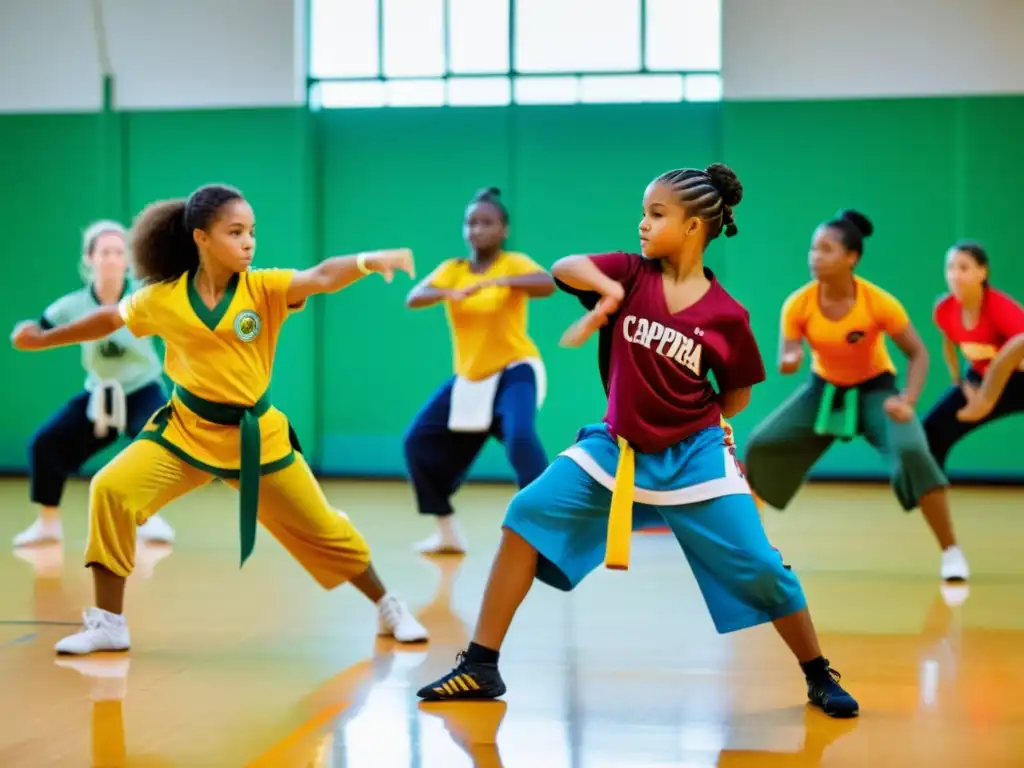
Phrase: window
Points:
(413, 38)
(343, 38)
(478, 36)
(684, 35)
(409, 53)
(577, 35)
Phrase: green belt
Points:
(838, 419)
(839, 407)
(247, 418)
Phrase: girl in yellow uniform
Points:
(852, 388)
(220, 322)
(499, 380)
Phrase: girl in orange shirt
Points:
(852, 389)
(499, 380)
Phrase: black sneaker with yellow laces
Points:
(469, 680)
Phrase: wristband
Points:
(361, 264)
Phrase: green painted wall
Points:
(354, 368)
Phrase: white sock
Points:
(384, 599)
(447, 525)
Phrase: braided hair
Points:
(710, 194)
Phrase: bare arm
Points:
(911, 345)
(1003, 365)
(791, 355)
(426, 295)
(734, 401)
(98, 324)
(949, 354)
(536, 285)
(338, 272)
(581, 273)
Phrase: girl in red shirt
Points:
(986, 326)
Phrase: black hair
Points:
(853, 228)
(710, 194)
(492, 196)
(976, 251)
(162, 244)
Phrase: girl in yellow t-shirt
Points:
(852, 388)
(220, 322)
(499, 380)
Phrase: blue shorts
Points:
(695, 487)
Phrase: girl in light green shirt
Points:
(123, 388)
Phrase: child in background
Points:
(852, 389)
(499, 382)
(123, 388)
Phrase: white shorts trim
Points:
(731, 484)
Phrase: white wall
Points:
(216, 53)
(165, 53)
(807, 49)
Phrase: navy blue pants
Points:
(439, 459)
(66, 441)
(944, 429)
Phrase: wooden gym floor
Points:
(260, 667)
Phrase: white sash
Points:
(96, 411)
(471, 408)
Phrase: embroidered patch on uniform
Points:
(247, 325)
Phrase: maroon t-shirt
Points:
(659, 393)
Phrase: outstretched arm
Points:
(29, 336)
(337, 272)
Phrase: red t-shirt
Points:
(659, 393)
(1001, 319)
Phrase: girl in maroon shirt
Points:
(672, 324)
(986, 326)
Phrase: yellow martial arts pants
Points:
(145, 477)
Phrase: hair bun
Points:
(858, 220)
(723, 178)
(488, 193)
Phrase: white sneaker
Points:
(40, 532)
(395, 620)
(447, 541)
(954, 565)
(157, 530)
(103, 631)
